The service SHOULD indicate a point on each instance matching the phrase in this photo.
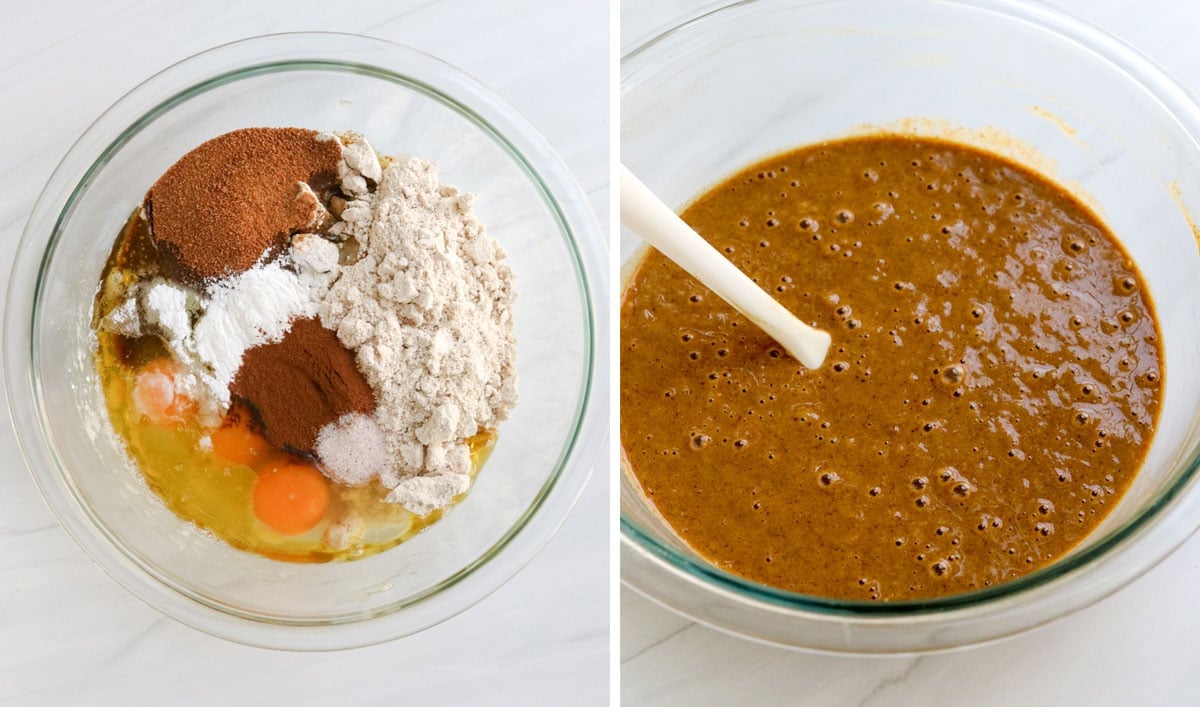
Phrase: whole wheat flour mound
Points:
(427, 309)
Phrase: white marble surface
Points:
(68, 634)
(1136, 647)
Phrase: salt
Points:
(353, 450)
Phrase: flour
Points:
(424, 494)
(427, 309)
(359, 163)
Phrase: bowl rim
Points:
(227, 63)
(656, 564)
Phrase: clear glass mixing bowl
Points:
(730, 86)
(405, 102)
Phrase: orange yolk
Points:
(236, 442)
(156, 395)
(290, 498)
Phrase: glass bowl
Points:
(728, 87)
(405, 102)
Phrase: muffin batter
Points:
(992, 389)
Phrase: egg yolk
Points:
(234, 441)
(156, 394)
(290, 498)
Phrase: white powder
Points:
(166, 308)
(353, 450)
(124, 319)
(250, 309)
(427, 309)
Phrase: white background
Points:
(1139, 647)
(71, 636)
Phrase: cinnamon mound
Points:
(300, 384)
(222, 205)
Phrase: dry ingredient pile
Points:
(306, 347)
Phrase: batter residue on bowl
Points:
(993, 386)
(306, 347)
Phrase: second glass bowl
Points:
(729, 87)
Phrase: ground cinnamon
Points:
(222, 205)
(300, 384)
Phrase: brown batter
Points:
(992, 388)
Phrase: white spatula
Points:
(659, 226)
